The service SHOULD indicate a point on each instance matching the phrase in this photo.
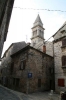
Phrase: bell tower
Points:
(37, 32)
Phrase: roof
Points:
(16, 47)
(29, 47)
(64, 37)
(60, 28)
(38, 19)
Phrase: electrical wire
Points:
(37, 9)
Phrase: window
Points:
(61, 82)
(62, 31)
(12, 65)
(34, 43)
(63, 60)
(64, 42)
(39, 82)
(1, 71)
(23, 64)
(17, 81)
(40, 31)
(13, 81)
(35, 33)
(0, 37)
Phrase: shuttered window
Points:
(64, 42)
(63, 60)
(61, 82)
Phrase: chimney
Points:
(44, 48)
(28, 43)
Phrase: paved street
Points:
(7, 94)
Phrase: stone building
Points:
(59, 45)
(31, 71)
(27, 70)
(5, 14)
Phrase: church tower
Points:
(37, 33)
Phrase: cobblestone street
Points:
(7, 94)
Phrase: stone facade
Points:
(49, 48)
(59, 52)
(5, 13)
(37, 74)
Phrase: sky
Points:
(22, 19)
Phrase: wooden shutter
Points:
(61, 82)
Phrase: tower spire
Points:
(38, 21)
(37, 32)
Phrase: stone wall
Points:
(49, 48)
(59, 71)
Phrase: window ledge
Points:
(64, 66)
(63, 46)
